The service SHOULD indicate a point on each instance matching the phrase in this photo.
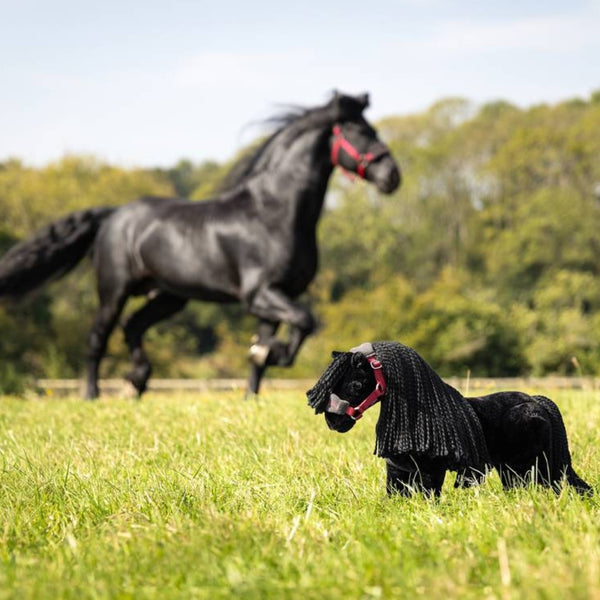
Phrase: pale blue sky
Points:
(146, 83)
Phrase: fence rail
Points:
(120, 387)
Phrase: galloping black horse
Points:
(255, 243)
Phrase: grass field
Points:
(208, 496)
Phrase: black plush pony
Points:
(427, 427)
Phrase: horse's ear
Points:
(336, 353)
(348, 107)
(363, 100)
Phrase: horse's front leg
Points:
(272, 307)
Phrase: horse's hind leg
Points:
(259, 352)
(160, 307)
(111, 306)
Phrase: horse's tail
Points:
(51, 252)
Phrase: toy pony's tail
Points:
(579, 484)
(51, 252)
(561, 465)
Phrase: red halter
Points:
(362, 160)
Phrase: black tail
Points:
(579, 484)
(51, 252)
(561, 457)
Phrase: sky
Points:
(146, 83)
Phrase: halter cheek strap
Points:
(362, 160)
(356, 412)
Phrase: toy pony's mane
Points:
(420, 414)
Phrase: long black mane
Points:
(291, 123)
(424, 415)
(294, 121)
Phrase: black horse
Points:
(426, 427)
(255, 243)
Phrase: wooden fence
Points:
(475, 385)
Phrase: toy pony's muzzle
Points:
(336, 416)
(337, 405)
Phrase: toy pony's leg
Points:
(407, 482)
(468, 478)
(513, 475)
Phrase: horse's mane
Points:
(288, 125)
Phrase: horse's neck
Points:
(292, 189)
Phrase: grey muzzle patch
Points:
(336, 405)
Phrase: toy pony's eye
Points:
(356, 387)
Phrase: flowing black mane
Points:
(289, 125)
(295, 121)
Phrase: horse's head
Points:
(355, 146)
(342, 390)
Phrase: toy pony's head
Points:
(420, 415)
(349, 381)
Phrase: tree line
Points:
(486, 260)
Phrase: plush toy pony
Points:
(426, 427)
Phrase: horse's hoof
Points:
(89, 390)
(258, 354)
(139, 379)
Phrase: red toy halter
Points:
(340, 406)
(356, 412)
(362, 160)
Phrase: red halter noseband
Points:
(362, 160)
(339, 406)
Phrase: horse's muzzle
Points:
(385, 174)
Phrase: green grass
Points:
(208, 496)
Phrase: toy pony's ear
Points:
(336, 353)
(358, 360)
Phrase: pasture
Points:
(209, 496)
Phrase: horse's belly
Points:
(199, 292)
(188, 269)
